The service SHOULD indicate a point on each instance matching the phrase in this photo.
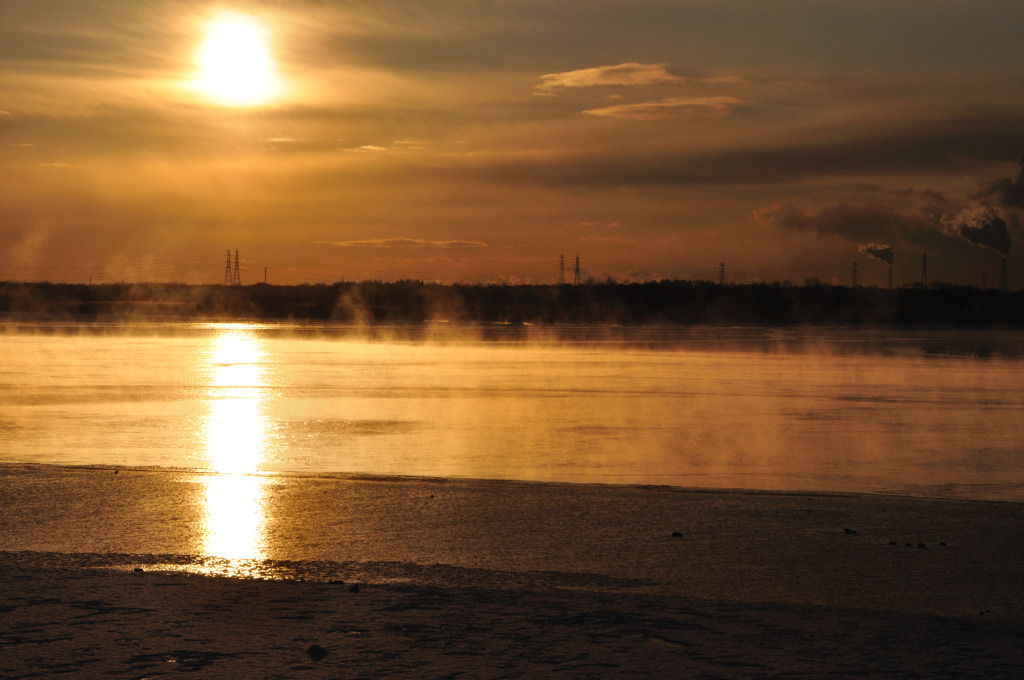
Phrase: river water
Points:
(294, 451)
(916, 413)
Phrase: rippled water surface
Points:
(913, 413)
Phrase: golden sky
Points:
(479, 140)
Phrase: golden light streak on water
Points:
(235, 437)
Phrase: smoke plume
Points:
(878, 251)
(1007, 191)
(982, 226)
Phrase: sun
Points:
(234, 62)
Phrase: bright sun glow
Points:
(235, 66)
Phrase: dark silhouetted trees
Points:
(594, 303)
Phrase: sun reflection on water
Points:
(235, 437)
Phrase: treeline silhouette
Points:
(375, 302)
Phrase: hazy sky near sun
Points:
(478, 140)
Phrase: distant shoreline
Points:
(675, 303)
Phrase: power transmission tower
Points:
(576, 276)
(721, 274)
(561, 269)
(227, 270)
(238, 279)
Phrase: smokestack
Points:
(879, 251)
(1006, 287)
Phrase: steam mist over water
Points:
(926, 413)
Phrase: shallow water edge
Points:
(922, 555)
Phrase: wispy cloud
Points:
(399, 146)
(630, 73)
(405, 243)
(674, 108)
(366, 148)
